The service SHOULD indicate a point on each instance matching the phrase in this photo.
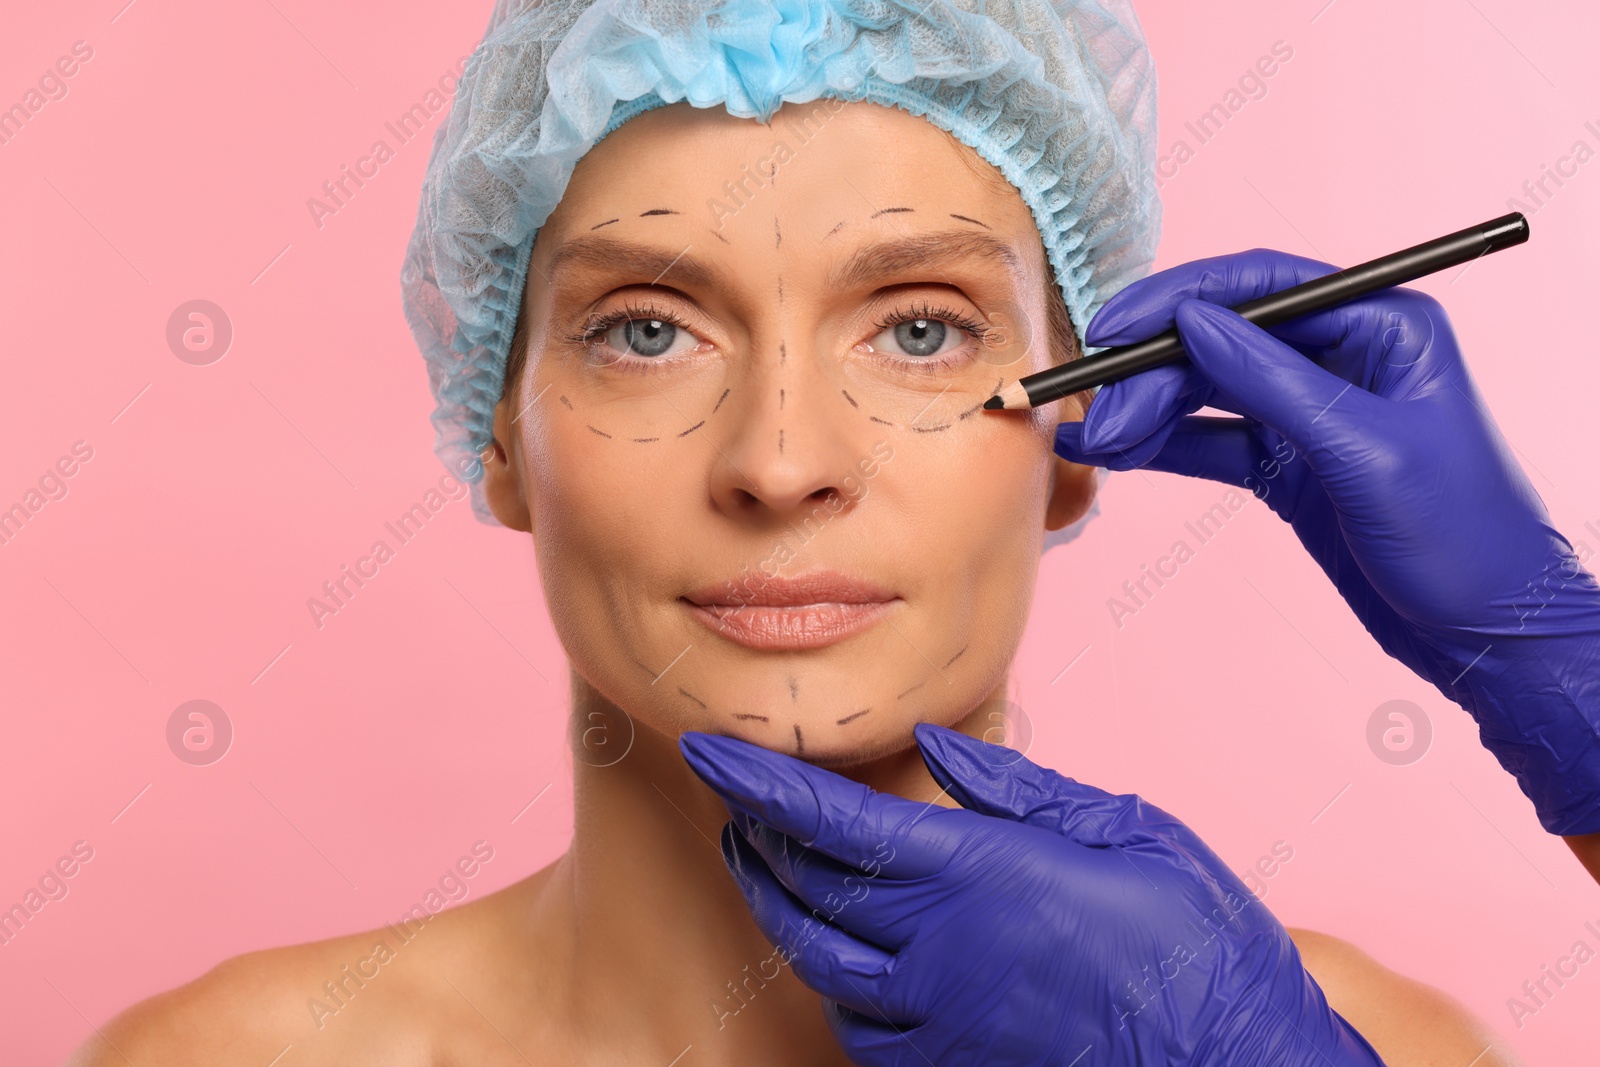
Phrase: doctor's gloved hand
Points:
(1044, 923)
(1362, 429)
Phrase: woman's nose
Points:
(788, 445)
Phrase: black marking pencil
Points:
(1319, 294)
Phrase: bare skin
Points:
(640, 485)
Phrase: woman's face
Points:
(748, 437)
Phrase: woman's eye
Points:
(920, 338)
(650, 338)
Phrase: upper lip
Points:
(814, 587)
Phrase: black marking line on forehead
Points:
(659, 211)
(889, 211)
(963, 218)
(608, 222)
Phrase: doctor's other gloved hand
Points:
(1044, 923)
(1363, 430)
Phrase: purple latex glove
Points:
(1383, 458)
(1051, 924)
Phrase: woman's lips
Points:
(792, 612)
(795, 626)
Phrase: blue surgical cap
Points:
(1059, 95)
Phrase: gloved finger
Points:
(825, 957)
(1149, 306)
(1069, 445)
(1387, 342)
(851, 822)
(1197, 446)
(870, 1041)
(1262, 378)
(1001, 782)
(881, 911)
(1130, 410)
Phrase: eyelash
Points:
(600, 324)
(977, 329)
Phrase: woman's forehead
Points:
(822, 168)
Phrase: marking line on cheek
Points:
(669, 666)
(913, 689)
(602, 433)
(749, 715)
(850, 398)
(958, 654)
(799, 742)
(720, 399)
(794, 689)
(875, 418)
(567, 402)
(852, 715)
(928, 405)
(692, 697)
(693, 428)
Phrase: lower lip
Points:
(787, 628)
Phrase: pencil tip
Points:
(994, 402)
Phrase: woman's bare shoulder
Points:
(1409, 1023)
(396, 996)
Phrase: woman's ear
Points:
(502, 473)
(1072, 485)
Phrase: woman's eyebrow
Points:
(928, 250)
(608, 254)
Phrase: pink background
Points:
(369, 755)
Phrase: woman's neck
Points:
(660, 948)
